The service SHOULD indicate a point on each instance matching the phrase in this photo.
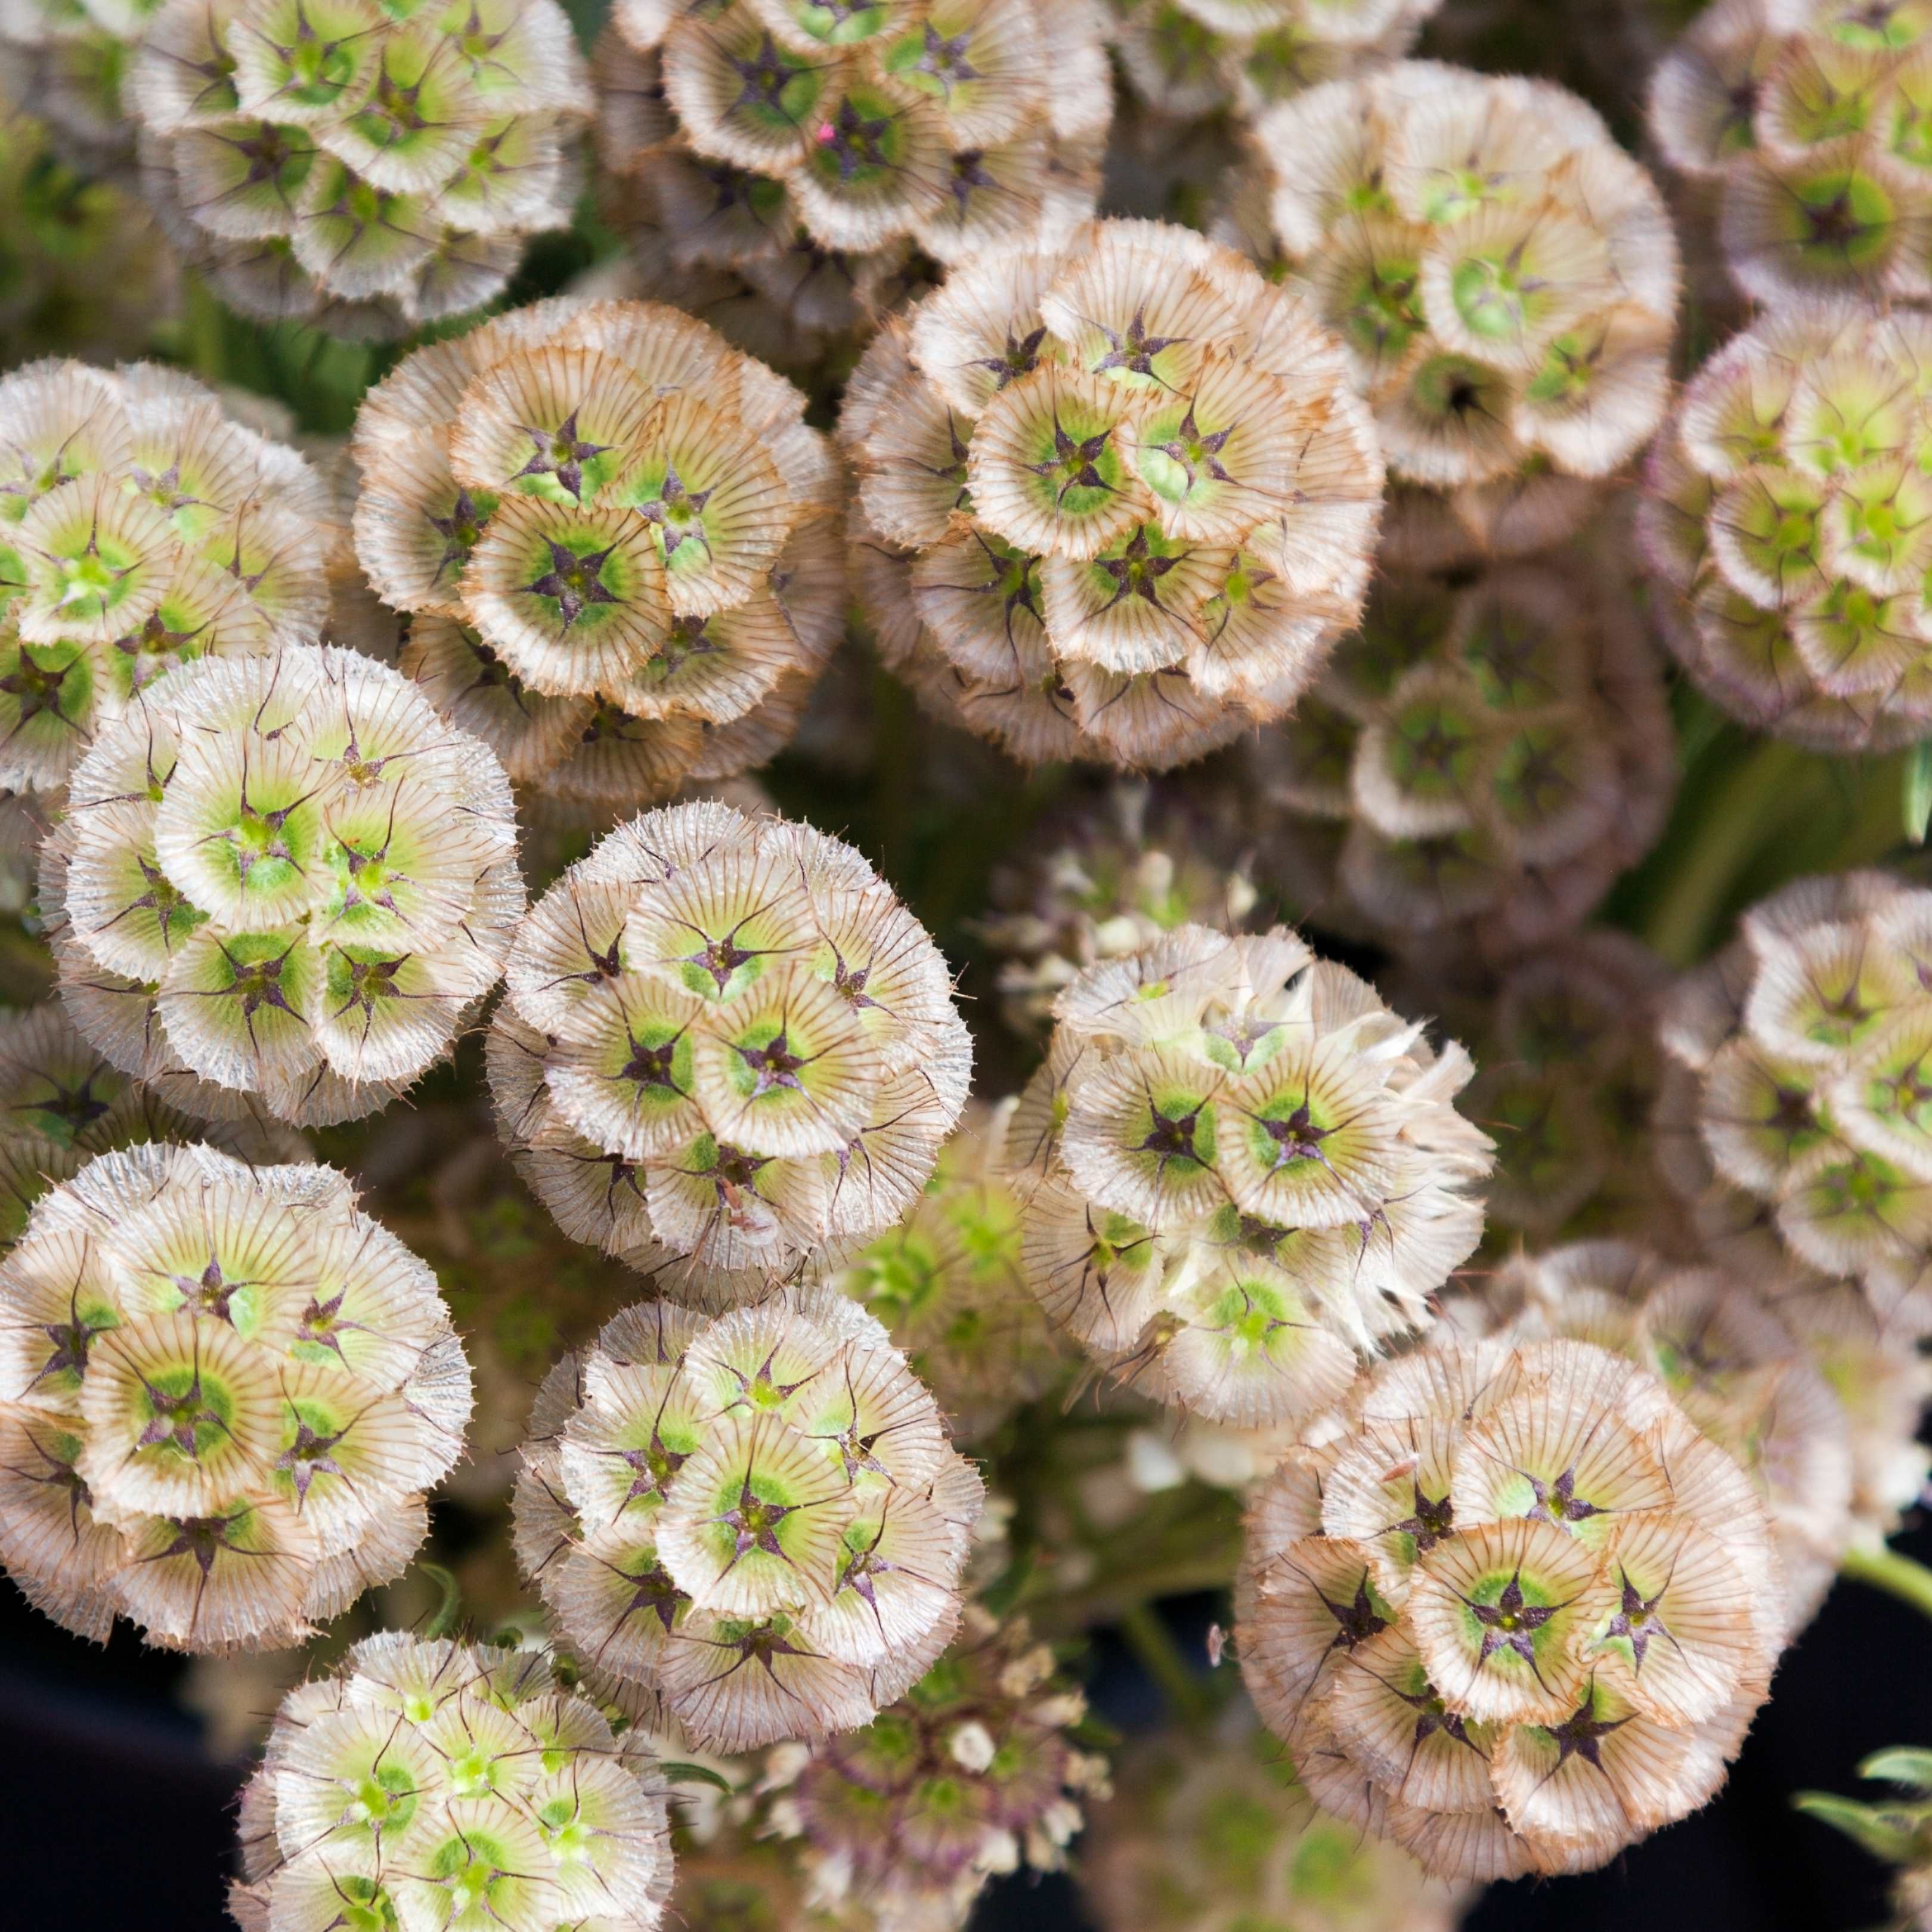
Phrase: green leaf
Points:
(1880, 1834)
(696, 1774)
(1917, 799)
(1909, 1765)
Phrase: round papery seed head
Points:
(440, 1775)
(755, 1518)
(1503, 279)
(1495, 753)
(727, 1050)
(1112, 498)
(1520, 1589)
(754, 147)
(614, 531)
(226, 1389)
(1811, 127)
(1796, 1049)
(1242, 1169)
(283, 880)
(146, 528)
(1783, 517)
(362, 173)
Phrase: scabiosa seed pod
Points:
(439, 1783)
(1497, 754)
(1110, 876)
(1568, 1075)
(141, 527)
(223, 1392)
(809, 155)
(1787, 515)
(283, 877)
(1241, 1168)
(1797, 1112)
(1721, 1342)
(967, 1774)
(949, 1284)
(1519, 1617)
(1504, 279)
(63, 1102)
(614, 533)
(1189, 57)
(757, 1520)
(1814, 120)
(727, 1048)
(1115, 501)
(1215, 1834)
(362, 170)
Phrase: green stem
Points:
(450, 1608)
(1152, 1644)
(1747, 809)
(1885, 1569)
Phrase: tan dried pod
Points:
(225, 1391)
(1491, 753)
(785, 172)
(281, 882)
(362, 171)
(497, 1777)
(1810, 122)
(1525, 1617)
(755, 1519)
(1240, 1168)
(728, 1052)
(615, 531)
(1113, 499)
(1504, 282)
(141, 527)
(1785, 519)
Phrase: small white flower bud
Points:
(971, 1745)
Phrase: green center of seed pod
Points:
(678, 513)
(1080, 466)
(929, 61)
(1511, 1622)
(309, 1455)
(461, 529)
(364, 1906)
(575, 581)
(90, 582)
(188, 1410)
(837, 22)
(471, 1869)
(1839, 220)
(562, 456)
(1380, 311)
(861, 142)
(43, 678)
(778, 89)
(1494, 295)
(1637, 1620)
